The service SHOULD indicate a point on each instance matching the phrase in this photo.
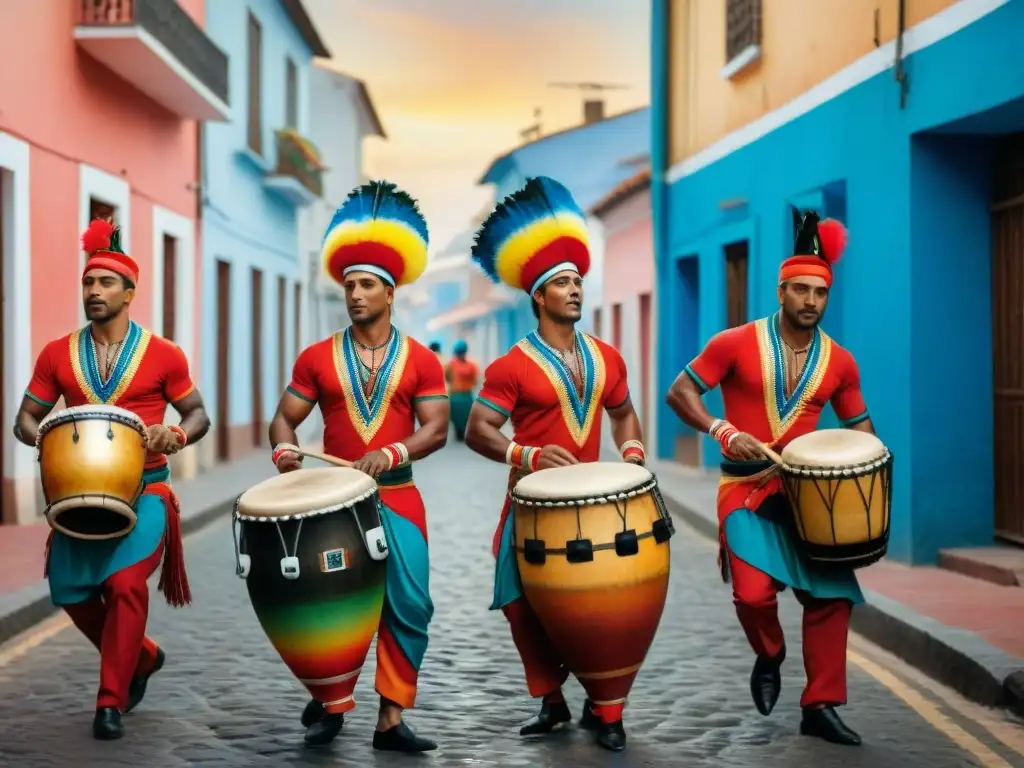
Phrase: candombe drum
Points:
(839, 484)
(593, 553)
(91, 460)
(311, 548)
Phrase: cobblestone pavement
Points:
(226, 699)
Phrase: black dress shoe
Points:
(825, 724)
(612, 736)
(324, 730)
(312, 713)
(766, 682)
(400, 738)
(106, 726)
(588, 720)
(545, 721)
(137, 687)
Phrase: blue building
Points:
(590, 160)
(913, 141)
(258, 172)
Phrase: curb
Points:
(23, 609)
(954, 657)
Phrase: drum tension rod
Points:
(579, 550)
(626, 542)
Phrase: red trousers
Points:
(545, 671)
(825, 627)
(114, 620)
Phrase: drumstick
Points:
(772, 455)
(314, 455)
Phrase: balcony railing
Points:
(298, 158)
(171, 27)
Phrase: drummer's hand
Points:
(555, 456)
(161, 440)
(289, 461)
(374, 463)
(746, 447)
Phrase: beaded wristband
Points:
(181, 434)
(633, 450)
(522, 456)
(279, 452)
(723, 432)
(397, 453)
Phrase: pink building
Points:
(100, 117)
(624, 314)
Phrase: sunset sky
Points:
(454, 81)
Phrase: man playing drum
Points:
(553, 385)
(101, 584)
(372, 384)
(776, 376)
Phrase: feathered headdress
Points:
(818, 244)
(378, 229)
(532, 235)
(102, 243)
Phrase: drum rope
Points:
(295, 547)
(234, 535)
(621, 513)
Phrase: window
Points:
(255, 86)
(170, 285)
(597, 322)
(297, 309)
(617, 326)
(257, 357)
(282, 324)
(736, 283)
(742, 26)
(291, 95)
(100, 210)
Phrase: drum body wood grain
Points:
(91, 461)
(601, 613)
(839, 484)
(321, 617)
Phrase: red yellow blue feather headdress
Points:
(378, 229)
(532, 235)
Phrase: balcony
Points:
(298, 175)
(155, 46)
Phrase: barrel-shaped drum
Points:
(313, 553)
(91, 460)
(593, 555)
(839, 484)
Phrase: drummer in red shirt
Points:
(553, 385)
(776, 376)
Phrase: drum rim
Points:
(841, 470)
(575, 501)
(337, 507)
(83, 412)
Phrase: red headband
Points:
(832, 241)
(102, 242)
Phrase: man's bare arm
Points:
(291, 412)
(432, 435)
(625, 423)
(864, 426)
(685, 399)
(194, 418)
(26, 423)
(483, 433)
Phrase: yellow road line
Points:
(930, 713)
(21, 644)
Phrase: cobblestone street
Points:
(224, 697)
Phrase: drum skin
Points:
(91, 484)
(321, 623)
(601, 615)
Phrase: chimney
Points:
(593, 111)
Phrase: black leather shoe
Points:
(825, 724)
(106, 726)
(588, 720)
(766, 682)
(545, 721)
(401, 738)
(137, 687)
(313, 712)
(612, 736)
(324, 730)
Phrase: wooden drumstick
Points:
(772, 455)
(314, 455)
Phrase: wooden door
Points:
(170, 286)
(4, 513)
(617, 327)
(223, 358)
(1008, 338)
(645, 361)
(257, 357)
(736, 255)
(282, 333)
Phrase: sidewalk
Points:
(24, 594)
(964, 632)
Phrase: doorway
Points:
(687, 441)
(5, 179)
(170, 288)
(223, 358)
(1008, 337)
(736, 258)
(257, 357)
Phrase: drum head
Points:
(582, 481)
(83, 412)
(305, 492)
(829, 448)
